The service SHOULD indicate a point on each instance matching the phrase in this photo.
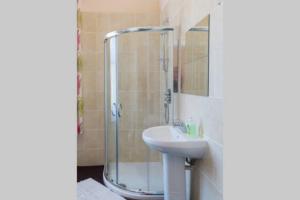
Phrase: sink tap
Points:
(180, 125)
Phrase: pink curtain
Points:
(79, 79)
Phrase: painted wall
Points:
(207, 181)
(128, 6)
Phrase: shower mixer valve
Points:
(166, 104)
(168, 96)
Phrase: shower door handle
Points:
(119, 109)
(114, 110)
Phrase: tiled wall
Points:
(207, 181)
(139, 84)
(90, 147)
(139, 92)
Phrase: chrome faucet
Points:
(180, 125)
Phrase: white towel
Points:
(90, 189)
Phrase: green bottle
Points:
(192, 129)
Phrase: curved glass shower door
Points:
(138, 95)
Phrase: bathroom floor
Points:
(94, 172)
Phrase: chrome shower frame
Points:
(137, 29)
(134, 194)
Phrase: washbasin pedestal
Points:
(174, 177)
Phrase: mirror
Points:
(195, 59)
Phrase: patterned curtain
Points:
(79, 79)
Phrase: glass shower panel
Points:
(138, 95)
(142, 87)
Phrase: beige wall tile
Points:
(102, 22)
(153, 19)
(132, 100)
(126, 146)
(100, 41)
(141, 121)
(154, 81)
(90, 99)
(129, 100)
(141, 19)
(89, 21)
(100, 103)
(90, 157)
(93, 156)
(140, 147)
(89, 60)
(127, 63)
(120, 21)
(141, 101)
(152, 104)
(80, 143)
(100, 62)
(154, 156)
(94, 139)
(89, 81)
(81, 158)
(100, 156)
(88, 41)
(128, 43)
(142, 59)
(127, 81)
(99, 81)
(141, 80)
(127, 121)
(93, 120)
(154, 57)
(142, 40)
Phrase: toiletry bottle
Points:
(192, 128)
(200, 129)
(188, 126)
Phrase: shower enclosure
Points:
(138, 95)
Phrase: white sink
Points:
(175, 147)
(167, 139)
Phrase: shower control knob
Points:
(168, 96)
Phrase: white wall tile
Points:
(203, 188)
(212, 164)
(206, 111)
(207, 190)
